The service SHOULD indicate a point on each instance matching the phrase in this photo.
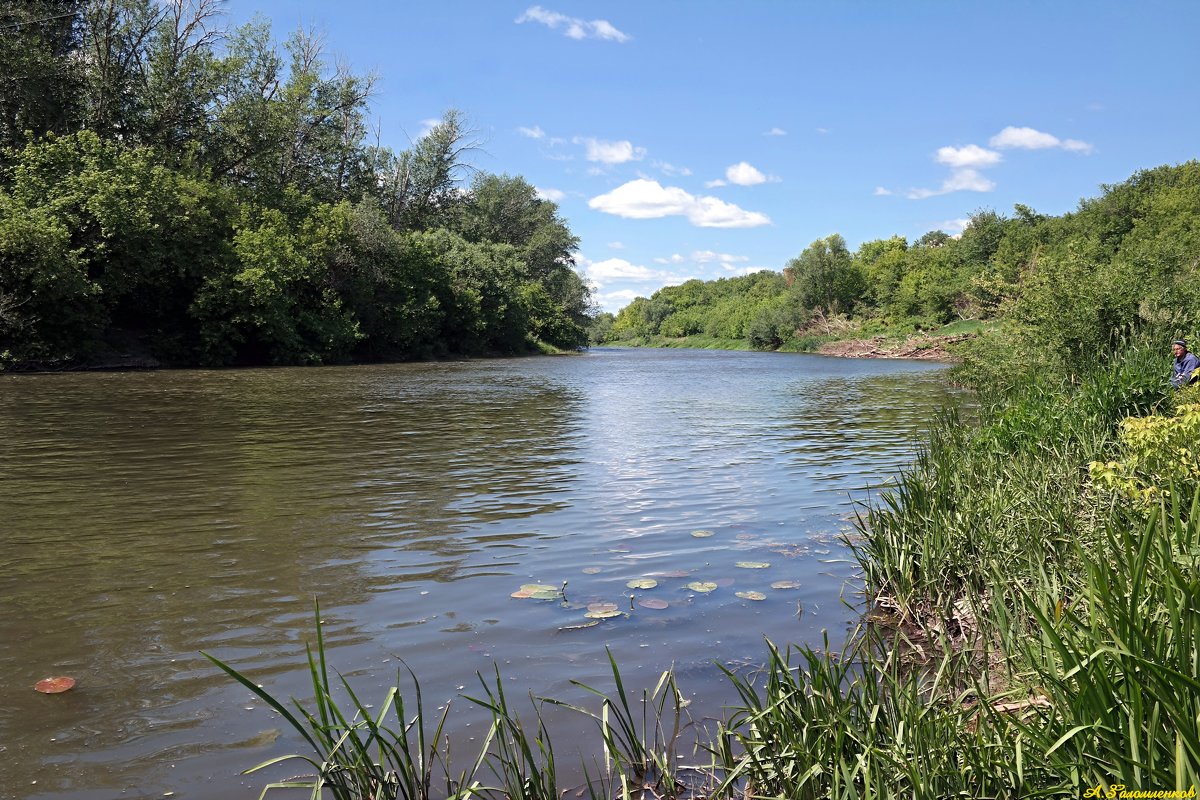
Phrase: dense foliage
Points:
(203, 196)
(1065, 285)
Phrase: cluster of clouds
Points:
(574, 27)
(966, 162)
(643, 198)
(646, 198)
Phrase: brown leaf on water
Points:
(54, 685)
(655, 603)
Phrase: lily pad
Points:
(592, 570)
(704, 587)
(602, 607)
(752, 564)
(538, 591)
(785, 585)
(702, 534)
(642, 583)
(751, 595)
(54, 685)
(653, 602)
(606, 614)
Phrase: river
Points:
(146, 517)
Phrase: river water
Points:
(147, 517)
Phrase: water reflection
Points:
(147, 517)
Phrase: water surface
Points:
(146, 517)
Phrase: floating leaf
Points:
(538, 591)
(655, 603)
(54, 685)
(751, 595)
(589, 624)
(703, 587)
(603, 614)
(785, 585)
(598, 607)
(702, 534)
(592, 570)
(752, 564)
(642, 583)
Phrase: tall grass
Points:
(357, 755)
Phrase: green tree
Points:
(825, 276)
(40, 79)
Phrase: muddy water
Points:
(147, 517)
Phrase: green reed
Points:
(357, 755)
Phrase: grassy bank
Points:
(843, 337)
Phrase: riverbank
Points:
(919, 347)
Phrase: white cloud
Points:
(955, 226)
(775, 132)
(614, 300)
(822, 130)
(610, 152)
(743, 174)
(708, 256)
(594, 171)
(671, 169)
(703, 257)
(574, 27)
(713, 184)
(555, 195)
(619, 269)
(970, 156)
(960, 180)
(1031, 139)
(616, 245)
(535, 132)
(645, 199)
(882, 192)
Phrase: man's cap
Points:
(1180, 342)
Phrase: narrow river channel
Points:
(146, 517)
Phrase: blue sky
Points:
(708, 139)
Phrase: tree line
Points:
(1065, 286)
(210, 196)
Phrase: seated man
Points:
(1185, 364)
